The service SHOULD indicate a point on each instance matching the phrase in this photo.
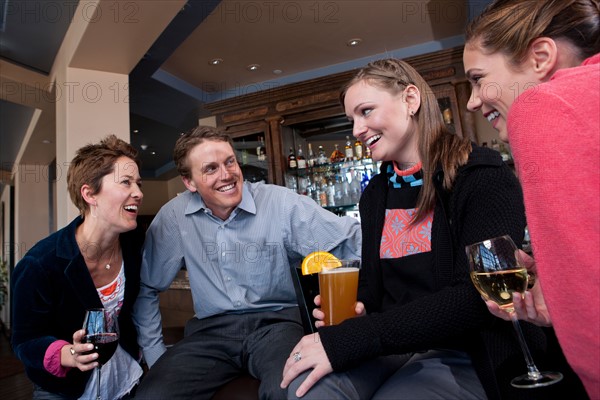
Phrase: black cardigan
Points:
(52, 288)
(486, 201)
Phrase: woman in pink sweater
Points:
(535, 71)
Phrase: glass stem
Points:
(98, 368)
(532, 370)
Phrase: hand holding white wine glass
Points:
(497, 274)
(102, 330)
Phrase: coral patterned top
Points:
(405, 249)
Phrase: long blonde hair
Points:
(437, 146)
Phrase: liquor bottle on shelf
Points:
(244, 153)
(358, 149)
(261, 152)
(292, 162)
(330, 194)
(300, 160)
(315, 193)
(322, 191)
(336, 155)
(311, 160)
(367, 153)
(346, 199)
(309, 191)
(354, 186)
(291, 182)
(339, 191)
(322, 158)
(348, 152)
(303, 184)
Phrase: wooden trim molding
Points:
(317, 99)
(323, 93)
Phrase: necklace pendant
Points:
(107, 266)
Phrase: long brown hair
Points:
(437, 145)
(509, 26)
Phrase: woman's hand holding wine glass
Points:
(79, 354)
(101, 330)
(499, 275)
(529, 306)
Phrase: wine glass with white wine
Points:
(497, 274)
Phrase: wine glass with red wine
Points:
(102, 330)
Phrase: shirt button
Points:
(223, 254)
(228, 278)
(237, 303)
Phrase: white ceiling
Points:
(303, 39)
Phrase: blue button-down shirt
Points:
(238, 265)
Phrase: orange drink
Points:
(338, 287)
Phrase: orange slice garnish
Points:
(316, 261)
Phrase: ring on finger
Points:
(297, 356)
(72, 351)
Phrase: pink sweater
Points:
(554, 134)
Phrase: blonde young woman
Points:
(422, 331)
(535, 70)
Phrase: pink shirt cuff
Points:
(52, 359)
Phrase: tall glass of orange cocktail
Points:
(338, 286)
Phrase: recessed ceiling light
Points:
(277, 71)
(144, 146)
(153, 153)
(46, 141)
(135, 131)
(253, 67)
(215, 61)
(353, 42)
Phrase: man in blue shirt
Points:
(237, 241)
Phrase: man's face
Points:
(216, 176)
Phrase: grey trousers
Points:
(432, 375)
(216, 350)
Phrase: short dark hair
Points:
(92, 162)
(191, 139)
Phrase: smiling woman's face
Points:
(382, 121)
(495, 85)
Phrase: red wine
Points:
(105, 344)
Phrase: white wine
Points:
(499, 286)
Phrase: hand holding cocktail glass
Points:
(497, 273)
(338, 287)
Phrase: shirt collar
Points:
(196, 203)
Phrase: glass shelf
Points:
(335, 186)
